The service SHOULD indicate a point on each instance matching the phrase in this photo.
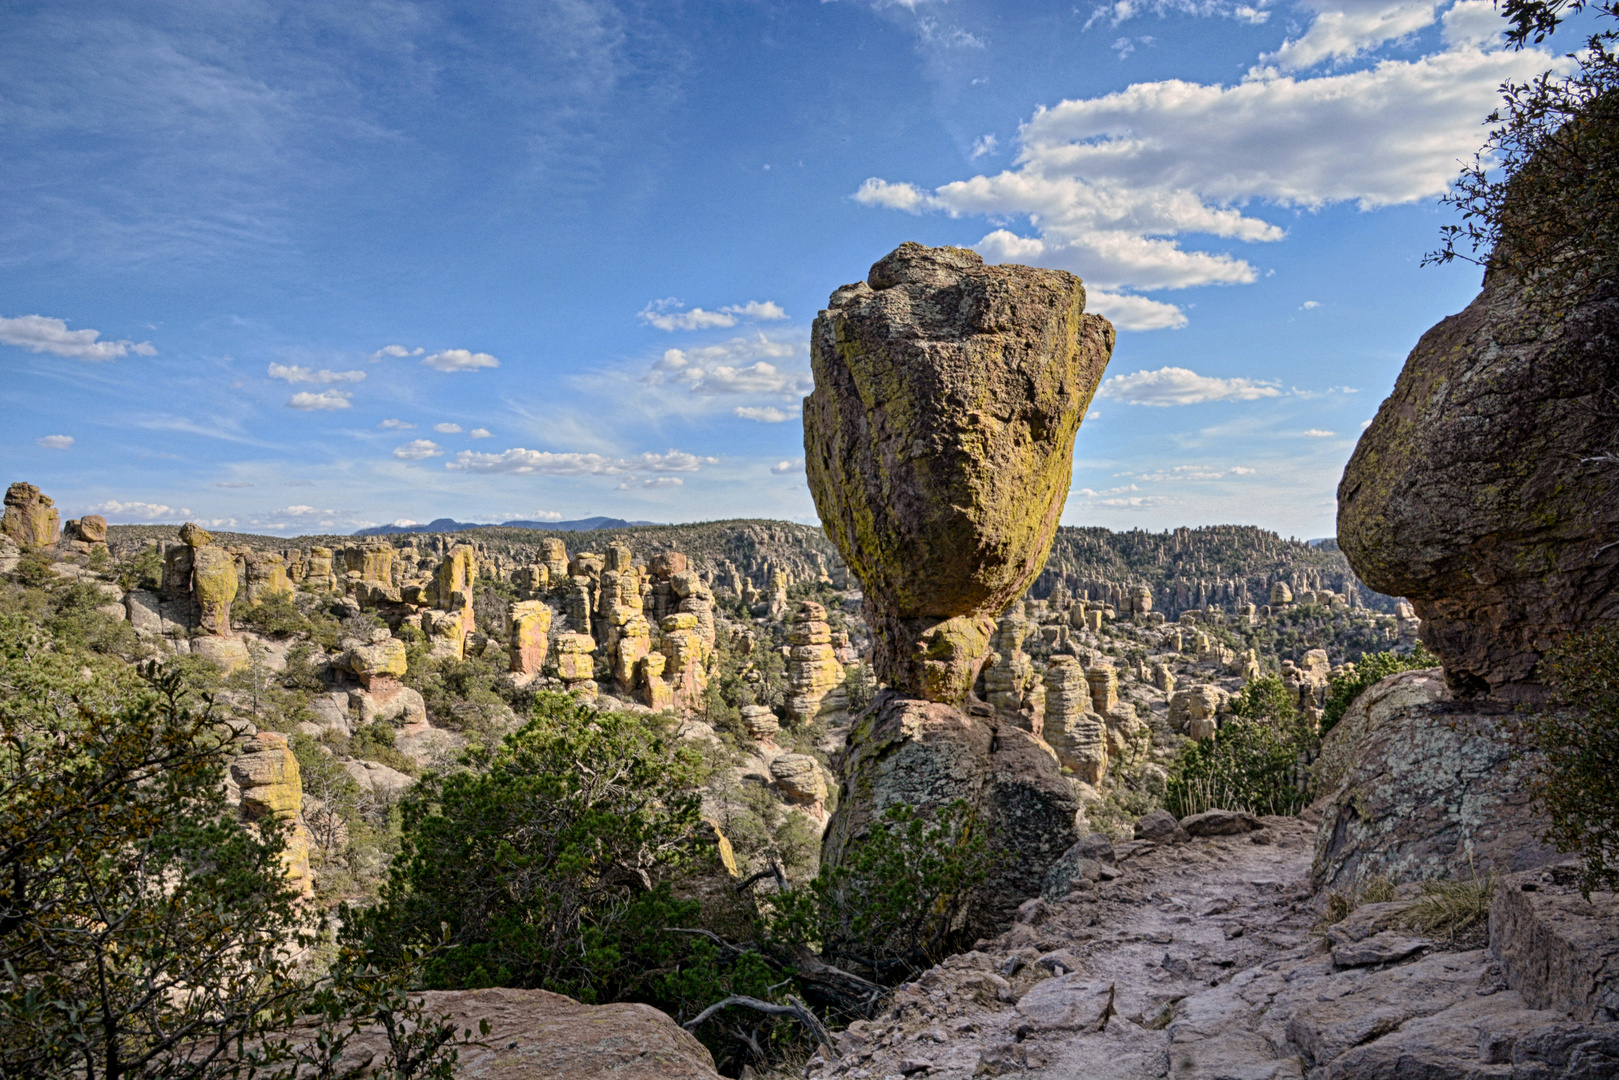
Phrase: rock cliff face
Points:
(939, 445)
(1481, 491)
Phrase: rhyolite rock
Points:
(939, 446)
(905, 751)
(1481, 491)
(31, 518)
(1415, 786)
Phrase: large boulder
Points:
(905, 751)
(1414, 786)
(1486, 490)
(31, 519)
(535, 1033)
(939, 446)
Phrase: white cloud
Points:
(417, 450)
(41, 334)
(985, 144)
(1318, 433)
(395, 351)
(1473, 22)
(459, 360)
(404, 523)
(294, 374)
(396, 425)
(655, 482)
(233, 484)
(1109, 183)
(907, 197)
(695, 319)
(781, 468)
(723, 368)
(447, 429)
(670, 314)
(767, 414)
(1242, 470)
(55, 442)
(1310, 305)
(480, 433)
(758, 310)
(542, 462)
(1343, 29)
(1181, 386)
(1129, 312)
(325, 400)
(140, 511)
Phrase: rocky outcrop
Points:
(1414, 787)
(939, 446)
(31, 519)
(452, 620)
(535, 1033)
(1481, 490)
(265, 783)
(927, 754)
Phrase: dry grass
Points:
(1374, 890)
(1449, 908)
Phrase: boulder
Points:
(1556, 948)
(799, 777)
(1480, 491)
(939, 446)
(31, 519)
(1160, 827)
(1221, 823)
(535, 1033)
(381, 660)
(1422, 788)
(927, 755)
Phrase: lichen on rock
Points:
(939, 446)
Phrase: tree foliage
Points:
(1541, 199)
(1579, 782)
(144, 930)
(1369, 670)
(1252, 763)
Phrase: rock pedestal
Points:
(814, 675)
(449, 626)
(265, 776)
(531, 623)
(1072, 728)
(939, 445)
(31, 518)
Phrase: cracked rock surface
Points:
(1200, 961)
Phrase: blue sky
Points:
(290, 267)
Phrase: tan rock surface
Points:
(31, 519)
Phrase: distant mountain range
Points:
(444, 525)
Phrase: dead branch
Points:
(794, 1008)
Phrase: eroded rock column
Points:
(939, 445)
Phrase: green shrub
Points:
(1249, 765)
(893, 907)
(1370, 670)
(1266, 698)
(1451, 907)
(1578, 785)
(552, 868)
(375, 742)
(143, 570)
(276, 615)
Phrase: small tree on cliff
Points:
(1550, 216)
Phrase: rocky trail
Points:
(1200, 959)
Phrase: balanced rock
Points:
(814, 675)
(939, 446)
(531, 623)
(1484, 490)
(31, 518)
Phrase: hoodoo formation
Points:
(939, 444)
